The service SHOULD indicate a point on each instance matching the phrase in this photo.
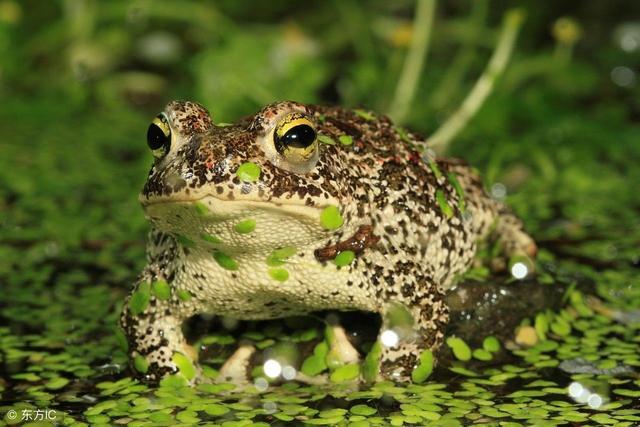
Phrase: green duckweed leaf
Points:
(371, 364)
(445, 207)
(367, 115)
(325, 139)
(201, 208)
(248, 172)
(185, 365)
(140, 299)
(330, 218)
(246, 226)
(161, 290)
(56, 383)
(210, 239)
(460, 348)
(491, 344)
(425, 367)
(279, 274)
(225, 261)
(183, 294)
(344, 258)
(345, 139)
(140, 364)
(347, 372)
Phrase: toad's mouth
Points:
(245, 225)
(210, 204)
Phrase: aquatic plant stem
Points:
(451, 83)
(512, 23)
(414, 61)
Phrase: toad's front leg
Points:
(412, 321)
(152, 320)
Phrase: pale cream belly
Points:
(252, 292)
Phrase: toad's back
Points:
(429, 213)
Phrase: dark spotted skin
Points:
(411, 229)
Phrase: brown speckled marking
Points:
(361, 240)
(409, 251)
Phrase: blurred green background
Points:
(80, 79)
(558, 136)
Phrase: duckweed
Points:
(201, 208)
(211, 239)
(367, 115)
(541, 325)
(185, 366)
(348, 372)
(435, 169)
(279, 256)
(371, 365)
(246, 226)
(345, 139)
(225, 261)
(445, 207)
(140, 364)
(482, 354)
(185, 241)
(184, 295)
(363, 410)
(491, 344)
(279, 274)
(460, 348)
(344, 258)
(248, 172)
(56, 383)
(140, 299)
(330, 218)
(459, 191)
(424, 368)
(316, 363)
(326, 139)
(161, 290)
(560, 326)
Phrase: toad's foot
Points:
(152, 320)
(341, 351)
(409, 329)
(515, 242)
(236, 368)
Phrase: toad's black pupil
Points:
(300, 136)
(155, 137)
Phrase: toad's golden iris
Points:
(295, 138)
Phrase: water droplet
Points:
(270, 407)
(629, 42)
(627, 35)
(595, 401)
(623, 76)
(272, 368)
(289, 373)
(261, 384)
(519, 270)
(575, 389)
(389, 338)
(579, 392)
(498, 191)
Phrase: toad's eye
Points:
(159, 136)
(295, 138)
